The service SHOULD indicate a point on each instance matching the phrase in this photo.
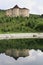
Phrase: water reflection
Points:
(35, 58)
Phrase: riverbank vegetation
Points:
(33, 23)
(21, 44)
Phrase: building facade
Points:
(17, 11)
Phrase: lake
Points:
(35, 58)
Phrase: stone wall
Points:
(17, 12)
(24, 12)
(9, 12)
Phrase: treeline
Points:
(21, 44)
(33, 23)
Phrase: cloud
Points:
(35, 6)
(7, 4)
(40, 9)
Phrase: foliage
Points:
(33, 23)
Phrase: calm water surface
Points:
(35, 58)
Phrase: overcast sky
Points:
(35, 6)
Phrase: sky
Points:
(35, 6)
(34, 58)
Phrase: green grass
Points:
(21, 44)
(34, 23)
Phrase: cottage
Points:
(17, 11)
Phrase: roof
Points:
(25, 8)
(16, 6)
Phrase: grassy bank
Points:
(21, 44)
(33, 23)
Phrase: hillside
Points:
(20, 24)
